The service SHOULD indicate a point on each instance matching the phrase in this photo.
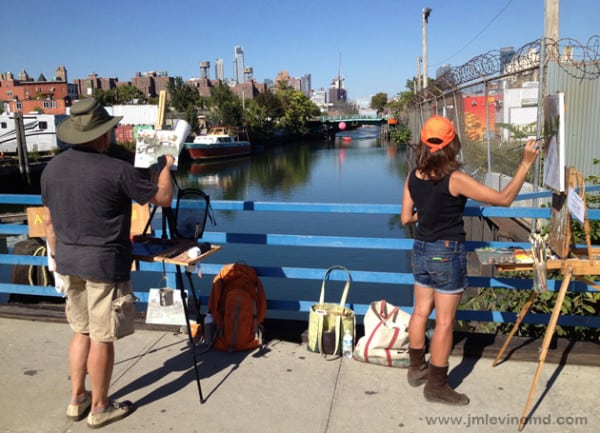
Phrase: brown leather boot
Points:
(437, 389)
(417, 371)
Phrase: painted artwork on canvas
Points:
(152, 143)
(554, 142)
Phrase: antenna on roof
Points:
(339, 79)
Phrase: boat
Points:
(219, 142)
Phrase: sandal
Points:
(113, 412)
(78, 411)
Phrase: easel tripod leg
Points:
(181, 286)
(546, 343)
(520, 317)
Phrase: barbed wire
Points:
(579, 60)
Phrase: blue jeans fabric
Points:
(440, 265)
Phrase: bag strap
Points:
(381, 313)
(346, 287)
(320, 334)
(338, 334)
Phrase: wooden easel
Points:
(571, 265)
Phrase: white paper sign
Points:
(164, 314)
(576, 205)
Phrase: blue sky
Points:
(378, 40)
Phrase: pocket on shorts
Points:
(123, 315)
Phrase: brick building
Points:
(151, 83)
(86, 86)
(27, 95)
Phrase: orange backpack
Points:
(238, 305)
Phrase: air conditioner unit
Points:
(529, 102)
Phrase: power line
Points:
(478, 34)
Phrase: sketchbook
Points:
(151, 144)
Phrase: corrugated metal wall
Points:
(582, 116)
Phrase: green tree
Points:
(227, 106)
(379, 101)
(184, 99)
(191, 116)
(298, 109)
(262, 114)
(104, 97)
(271, 104)
(181, 96)
(128, 94)
(400, 134)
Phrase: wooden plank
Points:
(36, 222)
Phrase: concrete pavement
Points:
(284, 389)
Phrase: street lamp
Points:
(426, 12)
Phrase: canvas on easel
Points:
(554, 142)
(555, 172)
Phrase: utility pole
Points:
(426, 13)
(551, 26)
(22, 146)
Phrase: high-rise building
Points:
(305, 84)
(337, 91)
(219, 71)
(238, 64)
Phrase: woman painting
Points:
(435, 193)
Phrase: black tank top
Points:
(440, 213)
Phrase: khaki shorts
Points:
(105, 311)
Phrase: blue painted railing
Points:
(291, 241)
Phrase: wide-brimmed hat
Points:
(437, 133)
(88, 121)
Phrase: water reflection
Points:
(364, 169)
(228, 175)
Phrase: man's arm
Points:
(164, 195)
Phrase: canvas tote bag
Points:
(327, 321)
(386, 336)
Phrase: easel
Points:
(570, 265)
(175, 251)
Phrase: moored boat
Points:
(219, 142)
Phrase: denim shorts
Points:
(440, 265)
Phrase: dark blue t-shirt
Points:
(89, 195)
(440, 213)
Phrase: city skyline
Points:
(378, 41)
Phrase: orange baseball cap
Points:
(437, 133)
